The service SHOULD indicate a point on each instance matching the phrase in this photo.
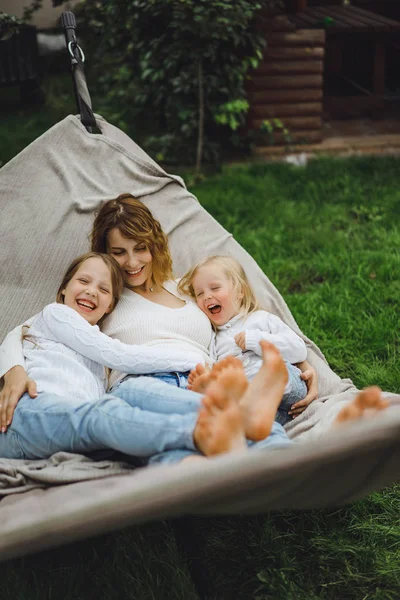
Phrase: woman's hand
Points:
(16, 383)
(309, 375)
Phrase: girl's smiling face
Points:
(89, 291)
(133, 257)
(215, 294)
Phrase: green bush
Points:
(178, 67)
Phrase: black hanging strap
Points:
(77, 57)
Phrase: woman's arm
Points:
(271, 328)
(16, 381)
(309, 375)
(71, 329)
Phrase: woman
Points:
(126, 229)
(150, 310)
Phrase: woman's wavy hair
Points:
(134, 221)
(117, 282)
(234, 271)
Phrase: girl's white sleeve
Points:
(213, 349)
(274, 330)
(11, 354)
(69, 328)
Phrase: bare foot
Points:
(219, 427)
(199, 378)
(366, 404)
(221, 365)
(264, 394)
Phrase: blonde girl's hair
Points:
(134, 221)
(234, 271)
(117, 282)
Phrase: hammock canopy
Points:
(48, 195)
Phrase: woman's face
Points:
(133, 257)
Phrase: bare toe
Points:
(219, 428)
(365, 404)
(371, 397)
(233, 380)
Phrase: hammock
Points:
(48, 195)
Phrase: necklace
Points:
(151, 289)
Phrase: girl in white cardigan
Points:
(222, 291)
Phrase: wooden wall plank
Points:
(293, 123)
(302, 37)
(286, 67)
(261, 82)
(285, 96)
(269, 111)
(294, 53)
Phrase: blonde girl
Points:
(222, 291)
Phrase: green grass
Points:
(328, 238)
(20, 125)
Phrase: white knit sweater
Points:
(66, 355)
(259, 325)
(139, 321)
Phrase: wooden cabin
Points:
(322, 58)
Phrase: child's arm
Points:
(212, 349)
(72, 330)
(271, 328)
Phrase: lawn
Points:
(327, 236)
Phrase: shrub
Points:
(176, 66)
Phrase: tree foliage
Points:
(177, 66)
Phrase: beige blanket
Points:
(18, 476)
(48, 194)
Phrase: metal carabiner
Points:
(75, 45)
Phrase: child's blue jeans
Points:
(298, 389)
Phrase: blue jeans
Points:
(298, 392)
(177, 378)
(51, 423)
(298, 388)
(185, 402)
(143, 418)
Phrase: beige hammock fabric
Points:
(48, 194)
